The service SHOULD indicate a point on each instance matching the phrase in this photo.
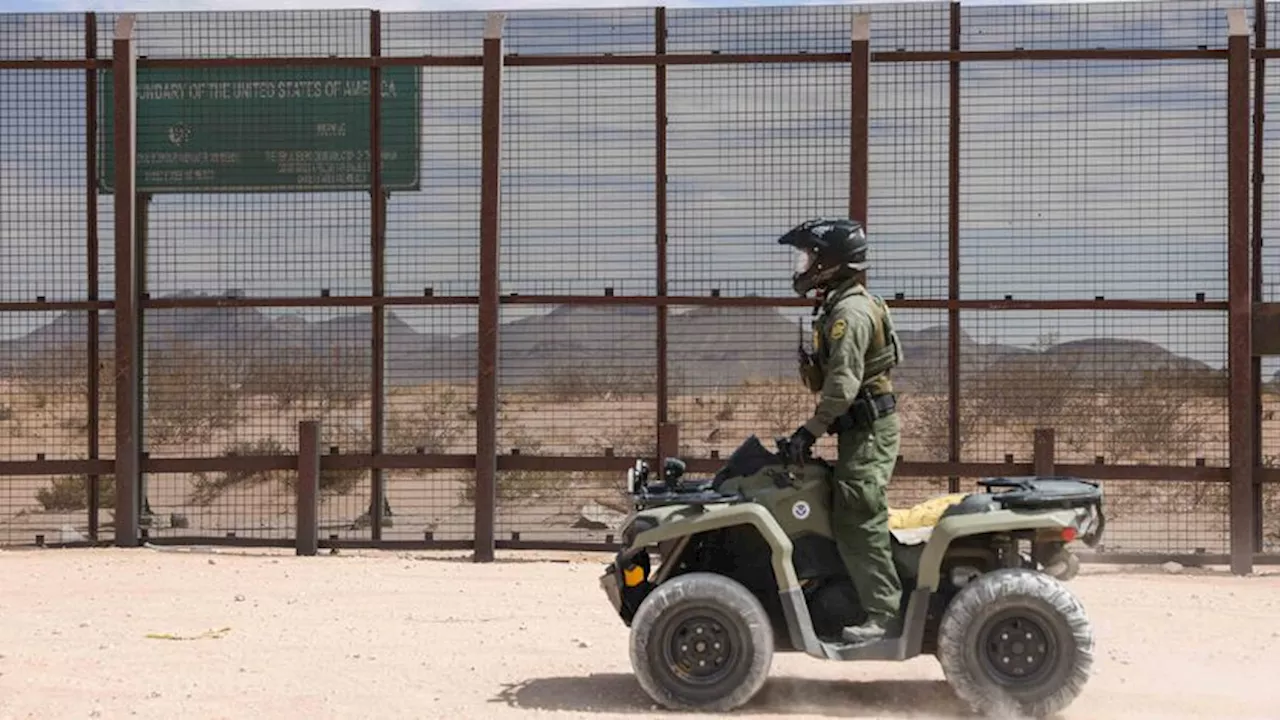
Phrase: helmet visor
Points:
(801, 260)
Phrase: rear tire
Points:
(1016, 641)
(701, 642)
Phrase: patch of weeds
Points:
(208, 487)
(71, 492)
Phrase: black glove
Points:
(799, 444)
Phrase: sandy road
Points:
(418, 635)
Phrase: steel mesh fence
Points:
(578, 181)
(1087, 179)
(1081, 180)
(577, 380)
(579, 32)
(244, 34)
(1111, 25)
(432, 234)
(1118, 387)
(753, 151)
(907, 204)
(806, 29)
(430, 506)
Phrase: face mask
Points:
(800, 260)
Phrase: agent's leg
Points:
(860, 523)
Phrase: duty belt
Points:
(864, 411)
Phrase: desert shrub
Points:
(189, 396)
(578, 383)
(515, 485)
(292, 379)
(208, 487)
(71, 492)
(775, 405)
(431, 422)
(625, 441)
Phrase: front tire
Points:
(1016, 640)
(701, 642)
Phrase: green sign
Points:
(263, 129)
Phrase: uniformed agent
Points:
(855, 346)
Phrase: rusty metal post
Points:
(859, 100)
(92, 390)
(141, 244)
(1259, 115)
(490, 233)
(124, 70)
(663, 389)
(1042, 457)
(953, 256)
(377, 241)
(307, 538)
(669, 438)
(1240, 298)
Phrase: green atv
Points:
(748, 565)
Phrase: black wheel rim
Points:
(1017, 648)
(698, 647)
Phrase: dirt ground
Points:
(262, 633)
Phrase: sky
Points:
(1078, 179)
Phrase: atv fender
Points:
(949, 529)
(799, 624)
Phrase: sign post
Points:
(261, 130)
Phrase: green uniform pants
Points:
(860, 513)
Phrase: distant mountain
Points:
(609, 345)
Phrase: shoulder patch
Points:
(837, 329)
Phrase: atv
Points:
(716, 574)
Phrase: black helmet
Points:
(828, 249)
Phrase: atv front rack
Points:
(685, 493)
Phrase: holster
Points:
(810, 374)
(865, 410)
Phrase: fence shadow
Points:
(620, 693)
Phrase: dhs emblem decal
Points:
(800, 510)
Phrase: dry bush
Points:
(189, 396)
(208, 487)
(1146, 420)
(1271, 513)
(926, 425)
(632, 441)
(579, 383)
(1153, 417)
(71, 492)
(515, 485)
(764, 407)
(429, 421)
(332, 382)
(776, 405)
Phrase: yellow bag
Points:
(926, 514)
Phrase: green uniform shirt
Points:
(847, 332)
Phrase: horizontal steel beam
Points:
(599, 463)
(649, 60)
(1088, 557)
(427, 300)
(32, 468)
(57, 306)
